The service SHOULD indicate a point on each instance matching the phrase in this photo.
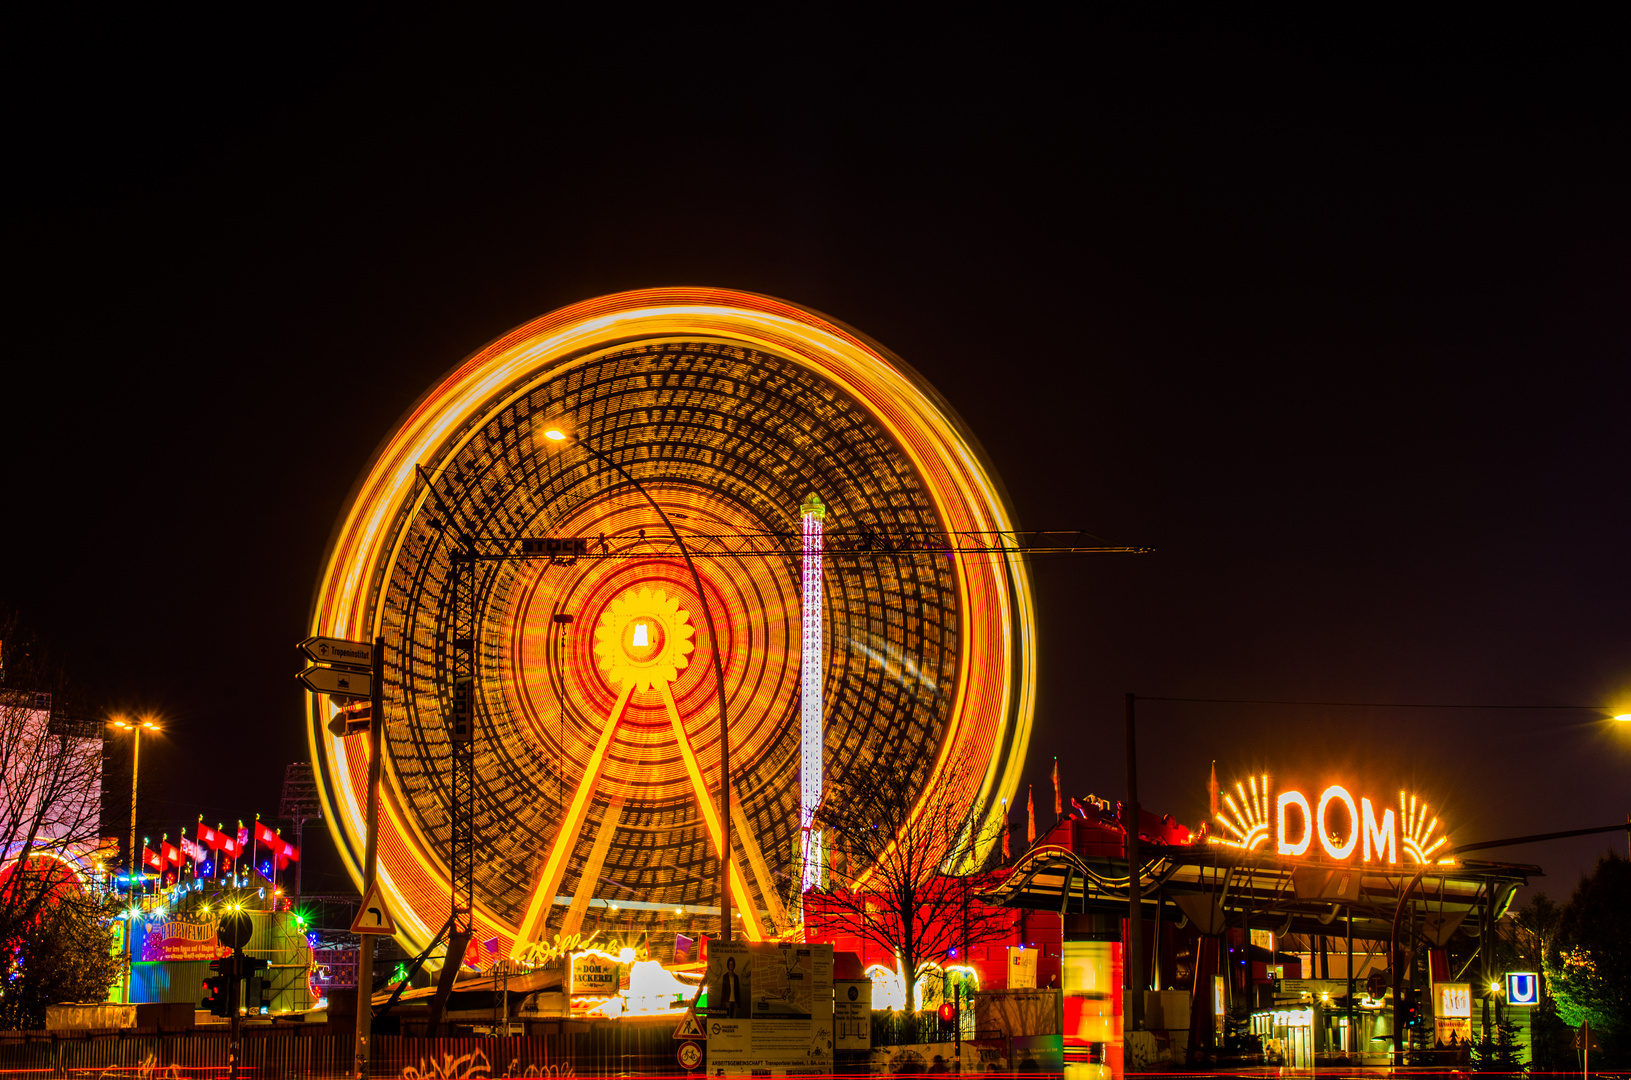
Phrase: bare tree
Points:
(50, 798)
(906, 867)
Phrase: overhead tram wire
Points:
(842, 545)
(1377, 704)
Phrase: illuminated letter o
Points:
(1336, 791)
(1297, 799)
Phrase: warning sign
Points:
(690, 1027)
(373, 917)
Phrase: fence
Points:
(290, 1053)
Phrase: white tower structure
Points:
(812, 513)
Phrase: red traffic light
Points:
(948, 1012)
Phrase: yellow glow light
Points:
(555, 435)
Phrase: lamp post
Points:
(135, 728)
(557, 434)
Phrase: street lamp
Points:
(561, 435)
(135, 727)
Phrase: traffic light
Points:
(948, 1012)
(254, 986)
(1412, 1008)
(218, 992)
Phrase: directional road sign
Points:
(328, 650)
(373, 917)
(337, 682)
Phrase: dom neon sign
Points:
(1335, 825)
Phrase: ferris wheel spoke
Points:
(740, 893)
(549, 880)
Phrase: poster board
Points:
(852, 1014)
(1021, 968)
(1091, 974)
(1452, 1014)
(770, 1008)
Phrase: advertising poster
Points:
(770, 1008)
(852, 1014)
(178, 940)
(1021, 968)
(1452, 1014)
(1091, 975)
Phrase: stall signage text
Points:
(1299, 823)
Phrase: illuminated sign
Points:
(593, 972)
(1454, 999)
(1335, 825)
(1452, 1013)
(1522, 988)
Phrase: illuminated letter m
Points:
(1383, 835)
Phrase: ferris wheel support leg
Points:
(585, 891)
(743, 835)
(549, 879)
(739, 887)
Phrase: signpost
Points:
(349, 679)
(327, 650)
(338, 682)
(373, 917)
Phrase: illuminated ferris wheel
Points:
(596, 759)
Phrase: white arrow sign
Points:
(328, 650)
(337, 682)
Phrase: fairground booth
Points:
(1265, 935)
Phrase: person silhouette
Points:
(730, 990)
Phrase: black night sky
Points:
(1335, 315)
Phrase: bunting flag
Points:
(195, 852)
(286, 853)
(151, 859)
(243, 836)
(210, 838)
(1058, 803)
(264, 835)
(169, 853)
(1030, 816)
(229, 847)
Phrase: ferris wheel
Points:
(593, 695)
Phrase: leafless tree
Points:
(50, 792)
(906, 866)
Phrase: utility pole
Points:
(1135, 901)
(365, 951)
(235, 1023)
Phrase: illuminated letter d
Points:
(1295, 798)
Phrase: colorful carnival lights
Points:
(812, 518)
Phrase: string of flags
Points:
(214, 853)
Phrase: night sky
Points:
(1334, 315)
